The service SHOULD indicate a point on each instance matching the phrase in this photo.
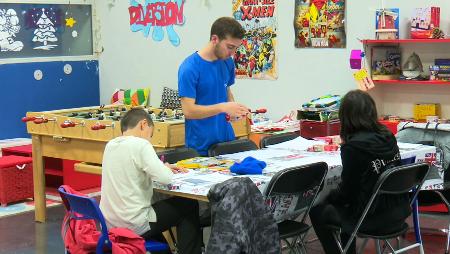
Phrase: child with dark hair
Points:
(129, 167)
(368, 149)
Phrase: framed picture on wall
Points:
(319, 24)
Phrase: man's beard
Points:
(218, 54)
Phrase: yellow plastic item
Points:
(422, 110)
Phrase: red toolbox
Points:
(312, 129)
(16, 178)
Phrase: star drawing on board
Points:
(70, 22)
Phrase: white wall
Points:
(130, 60)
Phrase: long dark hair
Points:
(358, 112)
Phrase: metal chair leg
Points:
(295, 245)
(363, 245)
(301, 246)
(337, 239)
(398, 240)
(377, 246)
(421, 250)
(290, 246)
(389, 245)
(448, 239)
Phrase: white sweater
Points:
(129, 166)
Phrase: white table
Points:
(196, 184)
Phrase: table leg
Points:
(38, 180)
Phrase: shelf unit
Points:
(53, 172)
(397, 97)
(412, 82)
(369, 43)
(400, 41)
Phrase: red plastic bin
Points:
(16, 178)
(391, 125)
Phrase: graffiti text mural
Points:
(157, 14)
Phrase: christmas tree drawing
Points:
(9, 27)
(45, 32)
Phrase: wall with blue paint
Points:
(21, 92)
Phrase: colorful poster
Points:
(256, 58)
(319, 24)
(157, 14)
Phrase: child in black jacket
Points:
(368, 149)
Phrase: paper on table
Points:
(262, 154)
(299, 144)
(407, 145)
(278, 163)
(203, 178)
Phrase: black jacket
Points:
(241, 221)
(365, 155)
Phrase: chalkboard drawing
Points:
(9, 27)
(45, 32)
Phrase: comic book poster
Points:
(319, 23)
(256, 58)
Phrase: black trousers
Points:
(325, 214)
(180, 213)
(322, 216)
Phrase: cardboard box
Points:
(423, 21)
(422, 110)
(386, 63)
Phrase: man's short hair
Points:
(133, 117)
(227, 26)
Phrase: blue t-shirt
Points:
(207, 83)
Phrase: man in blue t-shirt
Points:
(204, 80)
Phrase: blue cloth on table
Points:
(248, 166)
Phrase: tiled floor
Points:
(19, 234)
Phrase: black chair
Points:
(235, 146)
(437, 197)
(432, 197)
(175, 155)
(397, 180)
(303, 182)
(277, 138)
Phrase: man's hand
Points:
(176, 169)
(235, 110)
